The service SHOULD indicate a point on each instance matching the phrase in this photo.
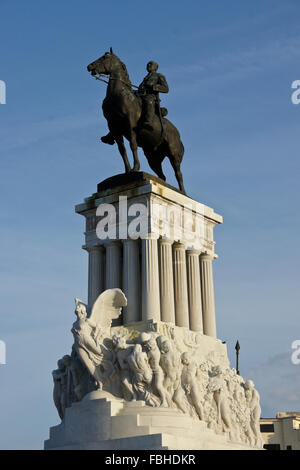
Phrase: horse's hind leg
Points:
(176, 166)
(122, 150)
(155, 162)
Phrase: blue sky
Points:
(229, 66)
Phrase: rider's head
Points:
(152, 66)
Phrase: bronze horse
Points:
(122, 108)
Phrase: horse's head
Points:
(106, 64)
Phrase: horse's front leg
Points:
(122, 150)
(134, 149)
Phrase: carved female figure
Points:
(88, 333)
(57, 375)
(252, 397)
(86, 345)
(189, 383)
(217, 387)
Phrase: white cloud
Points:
(236, 64)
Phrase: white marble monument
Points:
(146, 369)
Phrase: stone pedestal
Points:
(166, 269)
(162, 354)
(104, 423)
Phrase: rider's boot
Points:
(108, 139)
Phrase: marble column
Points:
(194, 290)
(180, 285)
(166, 280)
(96, 272)
(113, 277)
(131, 280)
(150, 281)
(208, 300)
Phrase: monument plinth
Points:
(158, 378)
(165, 273)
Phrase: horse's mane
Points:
(126, 75)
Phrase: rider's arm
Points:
(161, 86)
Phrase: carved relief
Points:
(163, 366)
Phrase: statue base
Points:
(165, 378)
(103, 420)
(107, 423)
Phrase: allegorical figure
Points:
(218, 388)
(122, 351)
(189, 382)
(153, 354)
(88, 332)
(57, 375)
(252, 397)
(153, 84)
(170, 363)
(141, 375)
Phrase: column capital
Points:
(165, 241)
(128, 241)
(178, 246)
(206, 256)
(193, 252)
(113, 243)
(93, 248)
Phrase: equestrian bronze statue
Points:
(137, 116)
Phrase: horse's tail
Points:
(172, 139)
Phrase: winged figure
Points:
(88, 331)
